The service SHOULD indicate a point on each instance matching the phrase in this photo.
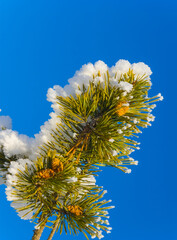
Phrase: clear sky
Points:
(42, 43)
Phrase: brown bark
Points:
(54, 229)
(38, 232)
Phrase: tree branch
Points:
(54, 229)
(38, 232)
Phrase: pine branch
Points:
(54, 228)
(95, 129)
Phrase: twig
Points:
(54, 229)
(38, 232)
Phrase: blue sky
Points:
(42, 43)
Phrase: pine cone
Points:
(57, 165)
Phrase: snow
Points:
(14, 143)
(128, 171)
(12, 191)
(89, 72)
(88, 180)
(121, 67)
(125, 86)
(140, 69)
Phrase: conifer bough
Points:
(50, 179)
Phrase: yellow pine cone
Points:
(46, 173)
(75, 210)
(122, 110)
(57, 165)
